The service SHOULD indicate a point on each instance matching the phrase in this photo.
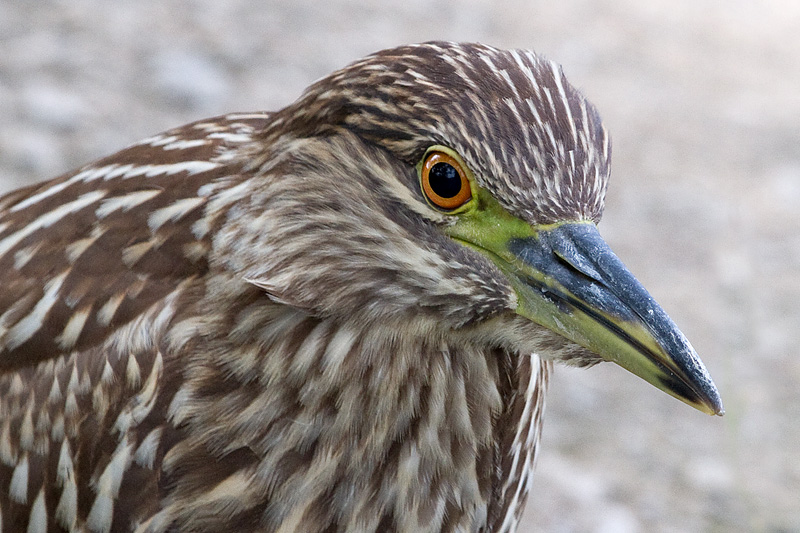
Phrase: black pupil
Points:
(444, 180)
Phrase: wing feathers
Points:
(89, 251)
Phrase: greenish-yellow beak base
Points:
(567, 279)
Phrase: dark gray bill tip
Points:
(574, 267)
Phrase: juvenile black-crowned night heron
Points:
(337, 317)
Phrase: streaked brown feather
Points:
(113, 256)
(254, 323)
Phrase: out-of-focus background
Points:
(703, 102)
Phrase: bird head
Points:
(451, 191)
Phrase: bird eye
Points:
(444, 181)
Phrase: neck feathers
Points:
(315, 424)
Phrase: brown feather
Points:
(255, 322)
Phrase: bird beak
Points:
(570, 281)
(567, 279)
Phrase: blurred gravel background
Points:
(703, 101)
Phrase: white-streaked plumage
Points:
(258, 323)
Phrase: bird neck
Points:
(318, 419)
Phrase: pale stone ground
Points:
(703, 101)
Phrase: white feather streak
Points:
(125, 202)
(48, 219)
(173, 212)
(32, 322)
